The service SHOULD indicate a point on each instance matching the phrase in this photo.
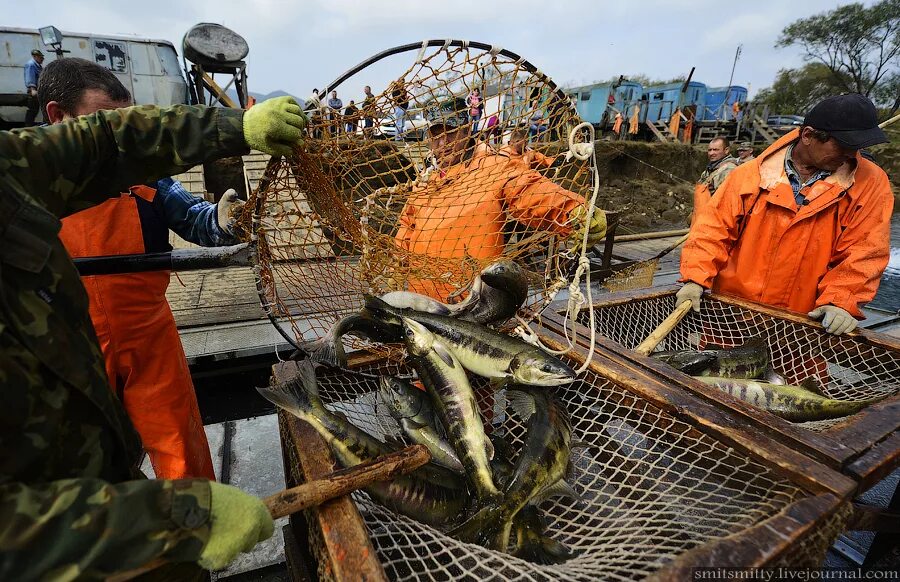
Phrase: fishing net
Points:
(361, 209)
(842, 366)
(651, 488)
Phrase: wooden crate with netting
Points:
(666, 482)
(857, 366)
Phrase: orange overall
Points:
(460, 214)
(145, 362)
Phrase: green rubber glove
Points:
(239, 522)
(596, 229)
(274, 126)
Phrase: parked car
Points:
(784, 122)
(414, 126)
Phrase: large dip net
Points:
(371, 205)
(844, 367)
(651, 489)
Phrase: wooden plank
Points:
(221, 95)
(877, 463)
(347, 549)
(718, 422)
(761, 545)
(657, 133)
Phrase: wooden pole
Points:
(884, 124)
(319, 491)
(652, 235)
(668, 324)
(345, 481)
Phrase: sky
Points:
(296, 45)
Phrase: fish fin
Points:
(327, 350)
(521, 402)
(489, 449)
(809, 384)
(544, 550)
(443, 353)
(559, 489)
(298, 394)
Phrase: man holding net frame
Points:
(461, 212)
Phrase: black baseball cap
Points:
(850, 119)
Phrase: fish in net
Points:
(367, 205)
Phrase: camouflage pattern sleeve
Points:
(74, 165)
(88, 528)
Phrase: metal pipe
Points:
(178, 260)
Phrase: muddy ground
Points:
(652, 184)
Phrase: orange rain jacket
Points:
(530, 159)
(144, 358)
(831, 251)
(460, 214)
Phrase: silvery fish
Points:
(412, 410)
(430, 494)
(329, 349)
(794, 403)
(482, 350)
(543, 461)
(496, 295)
(445, 380)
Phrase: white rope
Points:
(495, 50)
(421, 52)
(583, 152)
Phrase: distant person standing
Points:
(334, 114)
(476, 107)
(368, 111)
(745, 152)
(33, 70)
(401, 103)
(351, 117)
(721, 163)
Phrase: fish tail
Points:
(327, 350)
(543, 550)
(299, 395)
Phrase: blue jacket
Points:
(191, 218)
(32, 73)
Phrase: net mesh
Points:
(844, 367)
(650, 486)
(361, 210)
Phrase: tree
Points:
(860, 46)
(795, 91)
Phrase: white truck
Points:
(149, 68)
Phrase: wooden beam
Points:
(657, 133)
(221, 95)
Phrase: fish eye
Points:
(547, 368)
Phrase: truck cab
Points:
(148, 68)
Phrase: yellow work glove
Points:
(596, 229)
(274, 126)
(690, 292)
(239, 522)
(835, 320)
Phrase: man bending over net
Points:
(461, 211)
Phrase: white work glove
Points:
(226, 209)
(690, 292)
(835, 320)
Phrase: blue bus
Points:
(599, 103)
(661, 101)
(719, 102)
